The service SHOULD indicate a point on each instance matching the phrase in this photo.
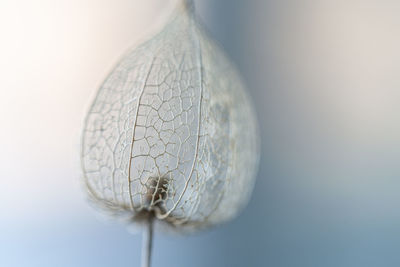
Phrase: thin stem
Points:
(147, 243)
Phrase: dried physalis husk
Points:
(172, 133)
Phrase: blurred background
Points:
(325, 79)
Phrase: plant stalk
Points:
(147, 242)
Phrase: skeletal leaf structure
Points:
(172, 132)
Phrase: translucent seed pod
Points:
(172, 133)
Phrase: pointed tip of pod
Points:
(187, 6)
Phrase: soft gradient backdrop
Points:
(325, 78)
